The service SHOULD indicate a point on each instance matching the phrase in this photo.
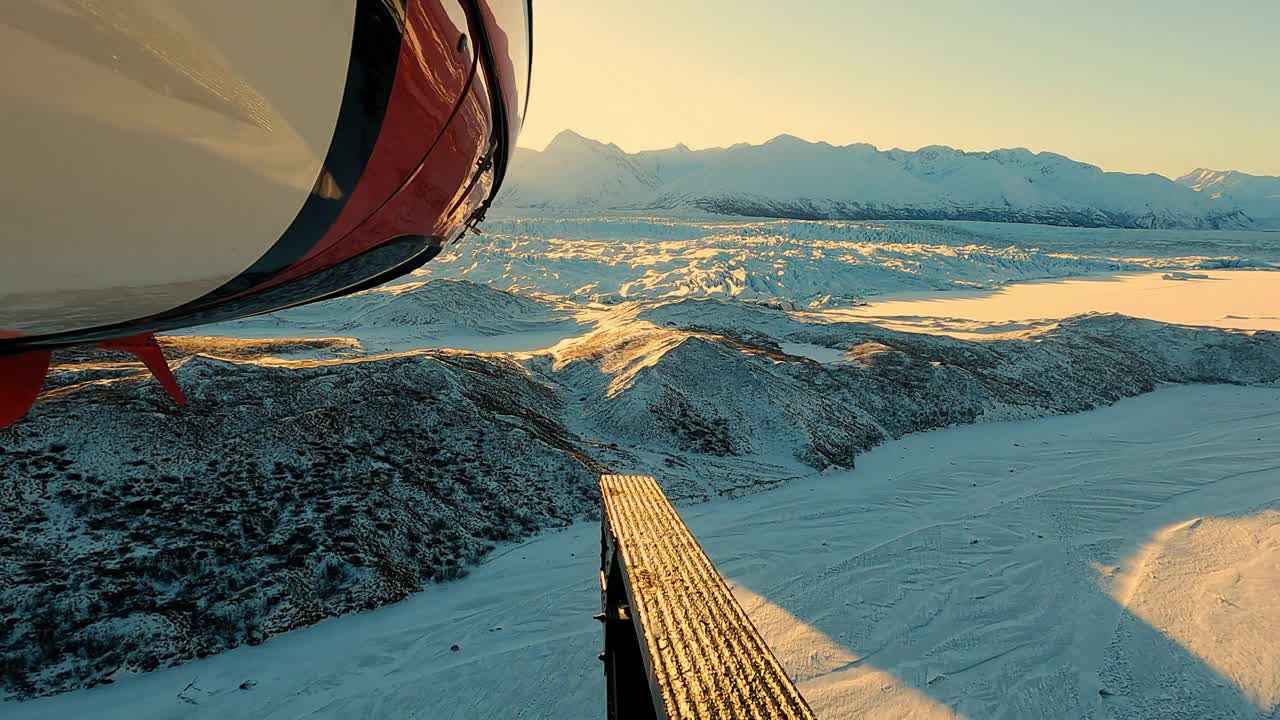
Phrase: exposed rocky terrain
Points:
(308, 478)
(133, 535)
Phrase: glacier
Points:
(611, 258)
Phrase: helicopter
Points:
(176, 164)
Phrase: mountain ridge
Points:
(1257, 195)
(789, 177)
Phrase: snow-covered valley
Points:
(1117, 564)
(337, 457)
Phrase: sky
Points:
(1131, 85)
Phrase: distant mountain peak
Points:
(566, 139)
(1201, 175)
(786, 139)
(1257, 195)
(568, 135)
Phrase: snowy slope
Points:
(135, 536)
(1257, 195)
(789, 177)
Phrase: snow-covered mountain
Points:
(792, 178)
(576, 172)
(1257, 195)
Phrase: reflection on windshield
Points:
(510, 43)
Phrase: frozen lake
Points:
(1241, 299)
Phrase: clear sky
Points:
(1132, 85)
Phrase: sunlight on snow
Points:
(832, 678)
(1212, 585)
(1242, 299)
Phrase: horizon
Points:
(878, 148)
(1141, 88)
